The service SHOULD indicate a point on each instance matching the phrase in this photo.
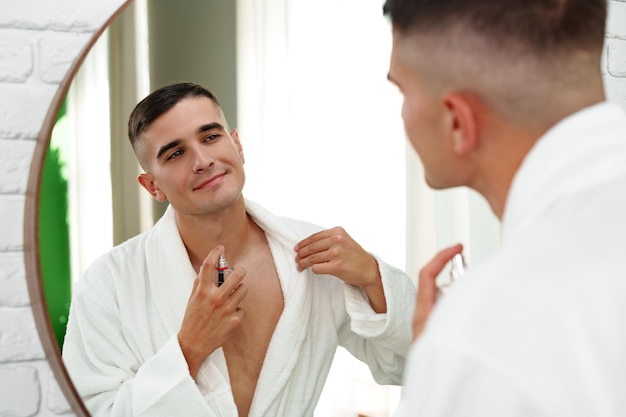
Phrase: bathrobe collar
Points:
(569, 157)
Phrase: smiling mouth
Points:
(209, 182)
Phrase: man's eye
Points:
(175, 154)
(211, 138)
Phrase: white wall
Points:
(38, 41)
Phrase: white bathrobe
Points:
(121, 348)
(539, 329)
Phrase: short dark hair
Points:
(159, 102)
(540, 26)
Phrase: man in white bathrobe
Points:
(151, 334)
(506, 97)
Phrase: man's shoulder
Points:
(125, 255)
(133, 250)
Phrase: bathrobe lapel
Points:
(171, 278)
(286, 344)
(169, 271)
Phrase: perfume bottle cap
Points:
(458, 267)
(222, 263)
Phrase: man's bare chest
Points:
(246, 349)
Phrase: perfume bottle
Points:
(222, 271)
(457, 268)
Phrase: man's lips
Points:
(209, 182)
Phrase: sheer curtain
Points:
(89, 160)
(323, 138)
(99, 161)
(319, 122)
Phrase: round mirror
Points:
(197, 40)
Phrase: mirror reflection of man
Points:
(506, 97)
(149, 332)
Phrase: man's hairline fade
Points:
(540, 27)
(474, 75)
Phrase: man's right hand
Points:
(212, 312)
(427, 287)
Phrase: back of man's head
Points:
(539, 26)
(530, 61)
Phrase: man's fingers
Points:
(238, 295)
(316, 237)
(427, 289)
(312, 248)
(320, 244)
(436, 265)
(305, 242)
(233, 279)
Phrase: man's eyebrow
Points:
(210, 126)
(167, 147)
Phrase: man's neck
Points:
(503, 149)
(231, 228)
(506, 159)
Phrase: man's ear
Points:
(147, 182)
(235, 136)
(463, 124)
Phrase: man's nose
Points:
(202, 160)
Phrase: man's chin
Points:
(436, 184)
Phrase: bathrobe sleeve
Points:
(118, 371)
(382, 341)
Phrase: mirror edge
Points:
(32, 262)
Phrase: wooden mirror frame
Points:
(31, 229)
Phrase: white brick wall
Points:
(615, 71)
(38, 41)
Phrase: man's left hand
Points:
(334, 252)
